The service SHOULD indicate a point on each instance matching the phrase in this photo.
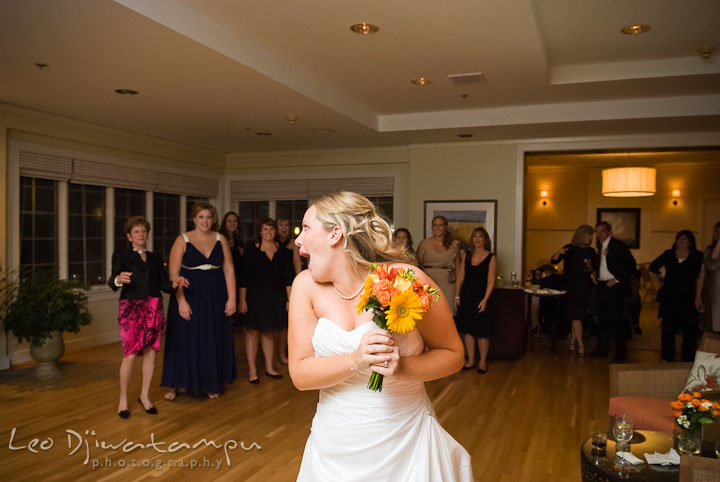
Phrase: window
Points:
(128, 203)
(293, 211)
(384, 204)
(165, 223)
(250, 213)
(38, 224)
(86, 233)
(189, 223)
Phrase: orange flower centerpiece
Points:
(399, 301)
(691, 412)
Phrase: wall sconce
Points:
(675, 195)
(544, 196)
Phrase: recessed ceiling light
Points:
(635, 29)
(421, 81)
(41, 65)
(263, 134)
(126, 92)
(364, 28)
(464, 136)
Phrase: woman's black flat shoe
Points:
(481, 371)
(151, 410)
(468, 368)
(255, 381)
(124, 413)
(276, 377)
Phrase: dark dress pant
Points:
(612, 320)
(685, 321)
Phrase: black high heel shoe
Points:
(151, 410)
(124, 413)
(276, 377)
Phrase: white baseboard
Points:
(77, 344)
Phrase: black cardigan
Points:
(148, 278)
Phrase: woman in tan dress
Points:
(439, 257)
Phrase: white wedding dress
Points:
(361, 435)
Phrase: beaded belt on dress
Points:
(204, 267)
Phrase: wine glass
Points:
(623, 432)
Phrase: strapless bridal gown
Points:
(361, 435)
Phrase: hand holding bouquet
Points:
(399, 301)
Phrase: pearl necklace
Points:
(351, 296)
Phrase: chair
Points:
(647, 282)
(645, 390)
(699, 469)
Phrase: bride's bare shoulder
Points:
(305, 283)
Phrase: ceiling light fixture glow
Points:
(628, 182)
(364, 28)
(421, 81)
(635, 29)
(126, 92)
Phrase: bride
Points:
(358, 434)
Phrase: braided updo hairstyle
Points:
(367, 237)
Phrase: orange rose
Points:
(703, 408)
(384, 297)
(426, 301)
(677, 405)
(716, 406)
(695, 402)
(677, 413)
(697, 394)
(685, 397)
(382, 285)
(716, 413)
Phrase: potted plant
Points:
(38, 308)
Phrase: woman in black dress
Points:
(474, 285)
(141, 275)
(264, 292)
(581, 263)
(677, 295)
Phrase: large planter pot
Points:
(46, 354)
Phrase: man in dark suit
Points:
(616, 267)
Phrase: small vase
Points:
(689, 440)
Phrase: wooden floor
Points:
(522, 421)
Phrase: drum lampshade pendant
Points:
(628, 182)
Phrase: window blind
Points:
(283, 190)
(45, 166)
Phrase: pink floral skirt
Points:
(142, 323)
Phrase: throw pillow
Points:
(705, 373)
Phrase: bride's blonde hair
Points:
(367, 237)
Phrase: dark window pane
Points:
(95, 273)
(45, 226)
(26, 252)
(75, 225)
(76, 271)
(26, 197)
(45, 251)
(26, 225)
(94, 249)
(95, 227)
(75, 204)
(45, 200)
(75, 251)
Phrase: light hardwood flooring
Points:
(522, 421)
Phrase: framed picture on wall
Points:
(625, 224)
(463, 217)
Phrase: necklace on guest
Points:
(352, 295)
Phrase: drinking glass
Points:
(623, 431)
(599, 442)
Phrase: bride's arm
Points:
(311, 373)
(445, 354)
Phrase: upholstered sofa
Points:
(645, 390)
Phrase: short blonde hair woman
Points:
(334, 349)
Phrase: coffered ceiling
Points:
(226, 74)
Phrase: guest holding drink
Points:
(581, 264)
(474, 286)
(199, 351)
(438, 256)
(707, 294)
(141, 275)
(682, 265)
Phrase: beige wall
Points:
(574, 194)
(46, 130)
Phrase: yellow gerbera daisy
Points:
(365, 296)
(405, 309)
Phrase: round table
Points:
(602, 467)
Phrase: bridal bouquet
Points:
(399, 301)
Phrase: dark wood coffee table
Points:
(603, 468)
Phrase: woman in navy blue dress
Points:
(199, 348)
